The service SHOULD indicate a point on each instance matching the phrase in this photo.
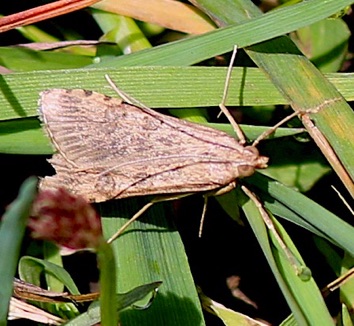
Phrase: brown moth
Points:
(108, 149)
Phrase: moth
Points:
(108, 149)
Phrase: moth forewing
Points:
(107, 149)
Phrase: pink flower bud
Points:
(65, 219)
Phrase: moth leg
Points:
(299, 269)
(142, 211)
(223, 190)
(215, 193)
(202, 219)
(130, 221)
(222, 106)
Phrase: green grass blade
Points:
(309, 39)
(15, 138)
(273, 24)
(30, 269)
(303, 85)
(172, 87)
(153, 251)
(108, 274)
(22, 59)
(303, 296)
(25, 135)
(12, 229)
(335, 229)
(121, 30)
(93, 315)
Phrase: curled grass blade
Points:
(93, 315)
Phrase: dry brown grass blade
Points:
(167, 13)
(42, 12)
(328, 151)
(20, 309)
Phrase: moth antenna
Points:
(222, 105)
(124, 96)
(121, 94)
(271, 130)
(228, 75)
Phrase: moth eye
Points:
(245, 170)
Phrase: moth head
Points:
(254, 161)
